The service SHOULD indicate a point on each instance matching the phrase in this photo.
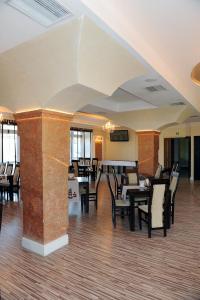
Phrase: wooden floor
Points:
(105, 263)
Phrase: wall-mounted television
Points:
(119, 136)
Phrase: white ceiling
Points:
(16, 28)
(166, 34)
(162, 35)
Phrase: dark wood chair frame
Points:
(173, 200)
(146, 217)
(118, 186)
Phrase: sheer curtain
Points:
(80, 144)
(8, 143)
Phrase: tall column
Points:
(44, 158)
(148, 146)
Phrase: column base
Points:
(45, 249)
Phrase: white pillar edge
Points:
(45, 249)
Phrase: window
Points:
(8, 142)
(80, 143)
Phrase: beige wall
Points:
(183, 130)
(122, 150)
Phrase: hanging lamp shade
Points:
(195, 75)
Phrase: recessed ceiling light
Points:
(45, 12)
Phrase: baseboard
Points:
(45, 249)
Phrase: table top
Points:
(82, 179)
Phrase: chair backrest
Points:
(16, 175)
(95, 161)
(2, 168)
(81, 161)
(87, 161)
(174, 184)
(158, 172)
(157, 203)
(75, 166)
(133, 178)
(9, 169)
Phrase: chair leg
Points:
(172, 213)
(114, 217)
(149, 230)
(165, 231)
(140, 219)
(96, 202)
(82, 202)
(122, 213)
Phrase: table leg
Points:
(11, 188)
(132, 214)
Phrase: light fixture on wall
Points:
(109, 126)
(6, 114)
(195, 75)
(98, 139)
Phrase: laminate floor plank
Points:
(103, 263)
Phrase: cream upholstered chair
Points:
(118, 205)
(132, 176)
(173, 188)
(154, 212)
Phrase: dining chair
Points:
(90, 193)
(173, 188)
(155, 213)
(119, 206)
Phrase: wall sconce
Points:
(98, 139)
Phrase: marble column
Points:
(44, 159)
(148, 146)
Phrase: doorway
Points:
(178, 150)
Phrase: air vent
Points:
(177, 103)
(155, 88)
(150, 80)
(45, 12)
